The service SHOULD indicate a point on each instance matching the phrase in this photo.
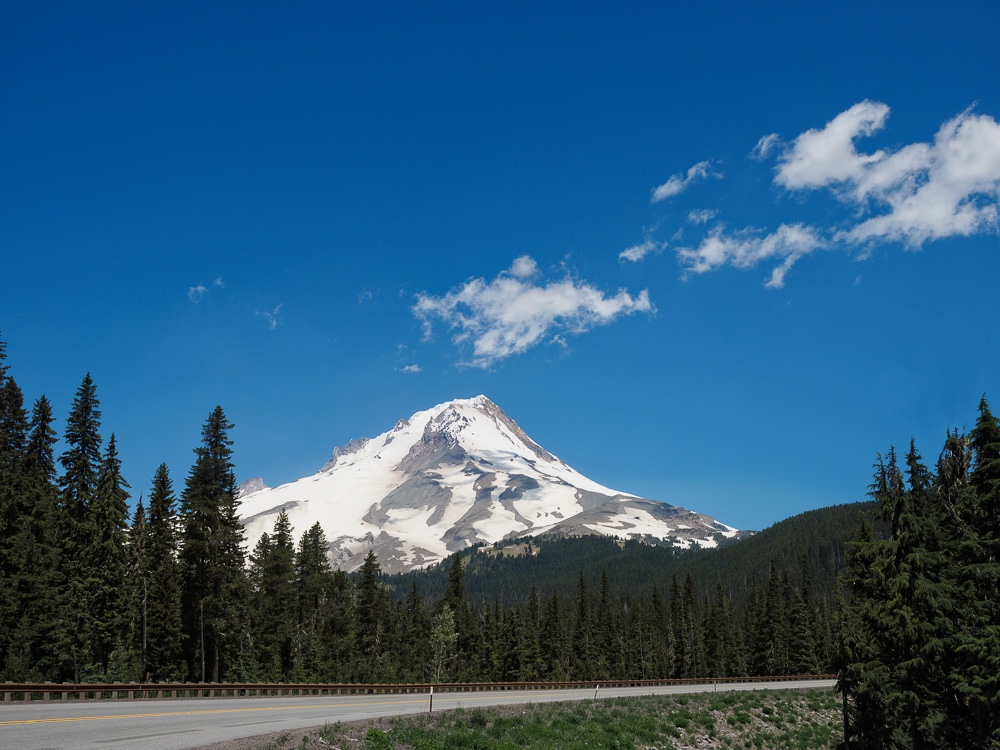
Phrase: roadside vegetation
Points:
(730, 720)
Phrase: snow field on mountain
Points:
(432, 467)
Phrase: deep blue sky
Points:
(320, 217)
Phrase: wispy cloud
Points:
(368, 294)
(411, 369)
(638, 252)
(679, 182)
(197, 293)
(702, 215)
(748, 247)
(512, 314)
(915, 194)
(272, 318)
(765, 147)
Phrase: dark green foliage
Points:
(106, 560)
(31, 554)
(633, 567)
(373, 616)
(919, 626)
(215, 585)
(160, 602)
(274, 612)
(80, 463)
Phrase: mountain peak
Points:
(451, 476)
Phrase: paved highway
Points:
(177, 724)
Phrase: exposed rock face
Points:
(450, 477)
(249, 486)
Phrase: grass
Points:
(730, 720)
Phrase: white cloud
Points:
(702, 215)
(219, 283)
(825, 157)
(524, 267)
(916, 193)
(950, 187)
(510, 315)
(271, 318)
(679, 182)
(749, 247)
(765, 146)
(638, 252)
(411, 369)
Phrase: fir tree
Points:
(313, 583)
(80, 463)
(34, 582)
(78, 483)
(372, 615)
(162, 601)
(273, 573)
(416, 640)
(583, 640)
(212, 556)
(13, 429)
(107, 558)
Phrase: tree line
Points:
(93, 593)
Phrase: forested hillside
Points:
(509, 571)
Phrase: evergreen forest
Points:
(900, 596)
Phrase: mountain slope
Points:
(509, 571)
(453, 476)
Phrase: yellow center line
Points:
(439, 696)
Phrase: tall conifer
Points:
(107, 559)
(212, 555)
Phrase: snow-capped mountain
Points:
(449, 477)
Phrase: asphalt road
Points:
(177, 724)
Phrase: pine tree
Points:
(555, 649)
(607, 652)
(274, 604)
(106, 558)
(372, 617)
(583, 638)
(13, 429)
(80, 463)
(137, 590)
(532, 646)
(212, 556)
(34, 559)
(161, 608)
(417, 631)
(980, 579)
(662, 636)
(313, 583)
(456, 597)
(78, 484)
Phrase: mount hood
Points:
(452, 476)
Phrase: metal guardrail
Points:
(27, 691)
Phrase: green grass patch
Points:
(729, 720)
